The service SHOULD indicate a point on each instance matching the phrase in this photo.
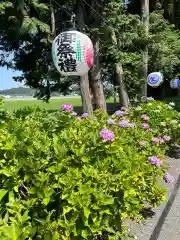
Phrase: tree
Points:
(119, 49)
(145, 23)
(37, 51)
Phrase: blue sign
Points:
(153, 79)
(178, 83)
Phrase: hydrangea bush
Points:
(163, 119)
(71, 177)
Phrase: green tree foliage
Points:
(163, 44)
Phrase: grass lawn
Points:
(54, 104)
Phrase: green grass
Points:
(54, 104)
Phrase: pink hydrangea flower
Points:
(67, 107)
(145, 117)
(106, 135)
(157, 140)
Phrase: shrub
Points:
(67, 177)
(164, 119)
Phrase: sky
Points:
(6, 78)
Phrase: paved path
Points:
(171, 227)
(165, 225)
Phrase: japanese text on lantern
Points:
(65, 52)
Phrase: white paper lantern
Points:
(72, 53)
(155, 79)
(175, 83)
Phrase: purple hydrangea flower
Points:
(74, 113)
(132, 125)
(168, 178)
(145, 126)
(125, 123)
(120, 113)
(67, 107)
(110, 121)
(106, 135)
(155, 161)
(166, 138)
(85, 115)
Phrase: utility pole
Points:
(145, 22)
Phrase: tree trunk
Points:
(169, 10)
(53, 26)
(145, 21)
(114, 95)
(86, 96)
(118, 72)
(177, 13)
(178, 92)
(84, 80)
(96, 80)
(123, 95)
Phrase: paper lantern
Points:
(72, 53)
(175, 83)
(155, 79)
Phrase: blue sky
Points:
(6, 78)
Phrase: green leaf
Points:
(5, 172)
(67, 209)
(30, 149)
(47, 237)
(56, 236)
(11, 196)
(85, 159)
(16, 188)
(84, 234)
(108, 201)
(46, 201)
(82, 149)
(2, 193)
(86, 212)
(107, 211)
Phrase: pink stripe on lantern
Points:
(89, 57)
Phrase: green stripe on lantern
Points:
(78, 51)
